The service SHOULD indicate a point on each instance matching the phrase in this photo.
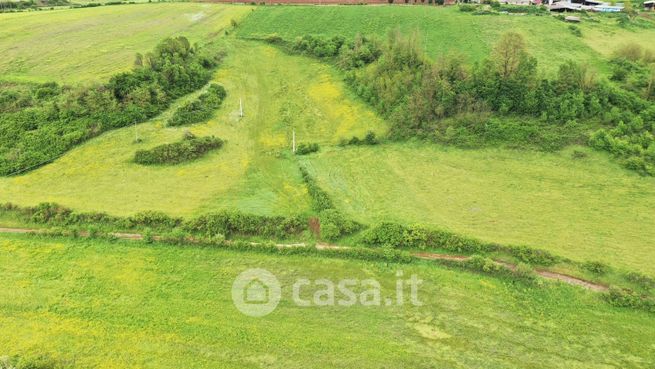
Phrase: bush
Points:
(320, 199)
(596, 267)
(318, 46)
(624, 297)
(304, 149)
(399, 236)
(153, 219)
(524, 271)
(483, 264)
(201, 109)
(531, 255)
(228, 223)
(643, 281)
(334, 225)
(369, 139)
(188, 149)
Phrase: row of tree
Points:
(447, 97)
(38, 123)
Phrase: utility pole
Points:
(293, 140)
(136, 134)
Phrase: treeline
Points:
(190, 148)
(38, 123)
(200, 109)
(224, 223)
(10, 6)
(503, 99)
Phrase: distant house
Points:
(589, 5)
(608, 8)
(649, 5)
(562, 6)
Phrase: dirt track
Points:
(419, 255)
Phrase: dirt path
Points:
(543, 273)
(322, 246)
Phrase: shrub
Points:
(531, 255)
(188, 149)
(318, 46)
(304, 149)
(49, 213)
(596, 267)
(334, 225)
(483, 264)
(524, 271)
(399, 236)
(228, 223)
(643, 281)
(201, 109)
(153, 219)
(320, 199)
(369, 139)
(624, 297)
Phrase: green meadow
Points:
(254, 171)
(584, 209)
(101, 303)
(129, 305)
(449, 31)
(92, 44)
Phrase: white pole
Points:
(240, 108)
(293, 135)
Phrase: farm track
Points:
(321, 246)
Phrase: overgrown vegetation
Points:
(502, 100)
(200, 109)
(40, 122)
(32, 362)
(21, 5)
(419, 237)
(305, 149)
(320, 199)
(224, 223)
(369, 139)
(190, 148)
(333, 224)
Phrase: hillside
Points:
(449, 31)
(91, 44)
(176, 296)
(252, 173)
(152, 153)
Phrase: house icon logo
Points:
(256, 292)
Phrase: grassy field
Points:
(80, 301)
(448, 30)
(585, 209)
(91, 44)
(253, 172)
